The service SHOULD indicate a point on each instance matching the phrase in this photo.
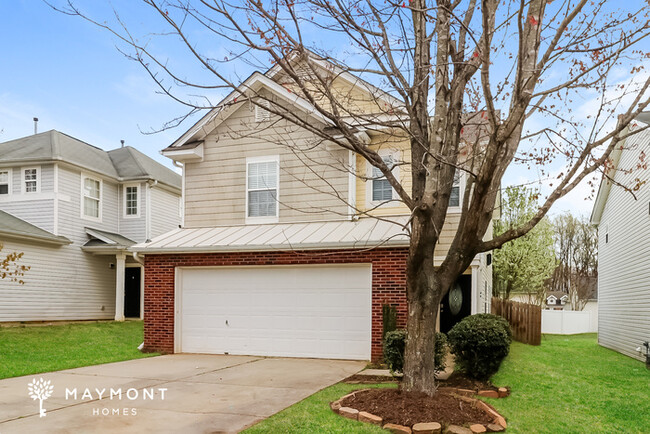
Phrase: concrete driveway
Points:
(184, 393)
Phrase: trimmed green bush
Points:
(480, 343)
(395, 342)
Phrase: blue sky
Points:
(70, 75)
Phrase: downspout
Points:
(138, 259)
(149, 185)
(182, 206)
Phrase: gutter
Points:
(270, 248)
(58, 240)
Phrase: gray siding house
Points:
(74, 210)
(623, 221)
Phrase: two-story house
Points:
(623, 219)
(280, 253)
(73, 210)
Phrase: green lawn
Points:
(569, 384)
(313, 415)
(35, 349)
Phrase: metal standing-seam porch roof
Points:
(360, 234)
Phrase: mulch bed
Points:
(456, 379)
(460, 381)
(370, 379)
(408, 408)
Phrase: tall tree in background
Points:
(435, 59)
(522, 265)
(576, 244)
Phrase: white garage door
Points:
(291, 311)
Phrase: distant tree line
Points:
(559, 254)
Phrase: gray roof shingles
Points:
(10, 225)
(123, 164)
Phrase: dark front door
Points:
(457, 304)
(132, 292)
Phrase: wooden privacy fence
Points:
(525, 319)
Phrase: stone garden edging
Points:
(499, 423)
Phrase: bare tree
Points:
(576, 246)
(520, 67)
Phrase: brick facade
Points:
(388, 284)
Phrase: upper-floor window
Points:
(454, 196)
(31, 179)
(92, 197)
(131, 201)
(262, 179)
(380, 189)
(5, 181)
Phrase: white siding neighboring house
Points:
(74, 210)
(623, 223)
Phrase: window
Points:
(31, 179)
(381, 188)
(262, 187)
(91, 190)
(5, 182)
(454, 196)
(131, 201)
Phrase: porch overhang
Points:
(365, 233)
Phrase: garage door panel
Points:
(300, 311)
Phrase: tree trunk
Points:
(419, 369)
(423, 292)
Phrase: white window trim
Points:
(394, 202)
(23, 190)
(124, 214)
(461, 191)
(9, 181)
(263, 219)
(101, 197)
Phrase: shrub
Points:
(395, 342)
(480, 343)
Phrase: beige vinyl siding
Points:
(353, 99)
(165, 213)
(63, 284)
(385, 145)
(133, 228)
(215, 188)
(624, 261)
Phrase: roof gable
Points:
(228, 105)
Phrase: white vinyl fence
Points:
(569, 322)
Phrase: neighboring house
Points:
(623, 221)
(74, 210)
(269, 260)
(556, 300)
